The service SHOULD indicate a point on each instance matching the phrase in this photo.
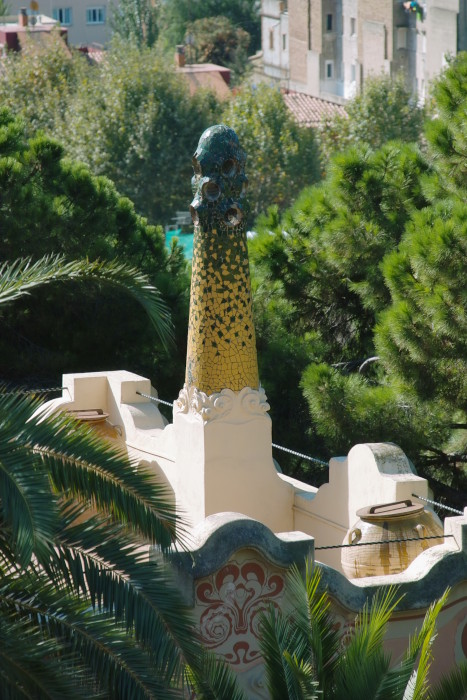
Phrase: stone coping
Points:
(219, 536)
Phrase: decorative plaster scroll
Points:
(229, 603)
(247, 402)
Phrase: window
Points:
(95, 15)
(284, 42)
(329, 23)
(329, 67)
(353, 26)
(353, 72)
(271, 39)
(63, 15)
(401, 37)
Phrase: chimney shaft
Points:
(23, 17)
(221, 350)
(180, 56)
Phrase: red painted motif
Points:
(232, 600)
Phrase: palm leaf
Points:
(29, 511)
(100, 562)
(20, 277)
(420, 645)
(28, 666)
(111, 656)
(311, 615)
(304, 675)
(210, 678)
(453, 686)
(363, 665)
(81, 465)
(279, 638)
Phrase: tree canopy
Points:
(217, 40)
(139, 133)
(50, 203)
(365, 273)
(282, 156)
(245, 14)
(384, 111)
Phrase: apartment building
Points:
(87, 21)
(328, 48)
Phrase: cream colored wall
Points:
(217, 457)
(371, 474)
(224, 463)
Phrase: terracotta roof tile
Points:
(311, 111)
(206, 75)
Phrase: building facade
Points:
(87, 22)
(328, 48)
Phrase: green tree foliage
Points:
(371, 265)
(447, 130)
(217, 40)
(421, 337)
(322, 285)
(282, 157)
(145, 125)
(83, 612)
(51, 203)
(384, 111)
(139, 131)
(177, 14)
(136, 21)
(36, 83)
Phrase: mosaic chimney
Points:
(221, 336)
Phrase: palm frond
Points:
(101, 563)
(28, 666)
(453, 686)
(20, 277)
(311, 615)
(278, 636)
(116, 663)
(28, 509)
(371, 623)
(420, 645)
(363, 665)
(304, 675)
(81, 465)
(210, 678)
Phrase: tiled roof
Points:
(207, 75)
(311, 111)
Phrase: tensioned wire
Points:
(277, 447)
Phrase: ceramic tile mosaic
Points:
(221, 336)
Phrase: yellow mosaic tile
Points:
(221, 337)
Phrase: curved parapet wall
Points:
(235, 567)
(221, 336)
(234, 570)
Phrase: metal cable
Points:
(440, 505)
(299, 454)
(365, 544)
(154, 398)
(278, 447)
